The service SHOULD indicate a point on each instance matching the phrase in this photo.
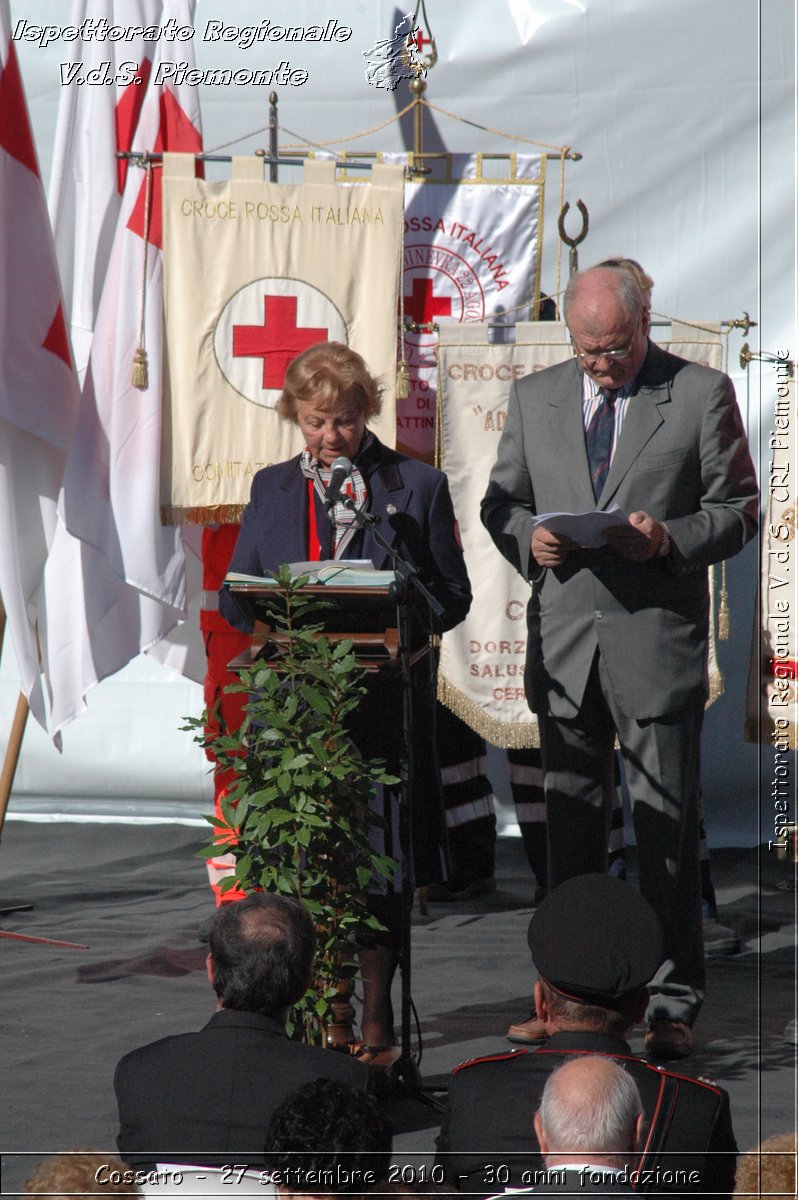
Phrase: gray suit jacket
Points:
(682, 456)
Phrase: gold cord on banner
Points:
(563, 151)
(303, 142)
(438, 450)
(402, 372)
(140, 377)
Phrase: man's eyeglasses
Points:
(595, 355)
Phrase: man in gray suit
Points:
(617, 636)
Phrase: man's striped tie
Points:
(598, 439)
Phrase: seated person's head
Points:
(596, 943)
(770, 1170)
(573, 1015)
(261, 953)
(328, 1138)
(80, 1173)
(590, 1111)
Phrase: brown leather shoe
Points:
(666, 1039)
(529, 1032)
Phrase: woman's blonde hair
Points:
(81, 1173)
(769, 1170)
(322, 374)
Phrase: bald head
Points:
(592, 1108)
(605, 312)
(599, 290)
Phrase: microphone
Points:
(341, 468)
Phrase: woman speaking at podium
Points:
(293, 516)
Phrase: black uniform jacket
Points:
(488, 1127)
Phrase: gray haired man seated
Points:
(588, 1126)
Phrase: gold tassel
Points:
(402, 380)
(724, 612)
(140, 377)
(724, 617)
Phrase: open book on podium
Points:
(357, 603)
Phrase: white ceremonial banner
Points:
(697, 343)
(103, 85)
(39, 390)
(472, 246)
(481, 674)
(115, 578)
(773, 673)
(255, 272)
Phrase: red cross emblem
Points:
(423, 305)
(263, 326)
(277, 340)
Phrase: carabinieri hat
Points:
(596, 940)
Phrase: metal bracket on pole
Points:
(573, 242)
(748, 355)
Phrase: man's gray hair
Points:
(590, 1104)
(626, 287)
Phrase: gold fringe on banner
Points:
(219, 514)
(499, 733)
(520, 736)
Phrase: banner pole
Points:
(14, 738)
(12, 755)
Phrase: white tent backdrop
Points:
(684, 113)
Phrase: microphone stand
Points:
(404, 1071)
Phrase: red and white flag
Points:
(38, 386)
(121, 574)
(103, 86)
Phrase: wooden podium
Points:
(367, 616)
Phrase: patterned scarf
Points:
(354, 487)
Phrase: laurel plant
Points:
(297, 813)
